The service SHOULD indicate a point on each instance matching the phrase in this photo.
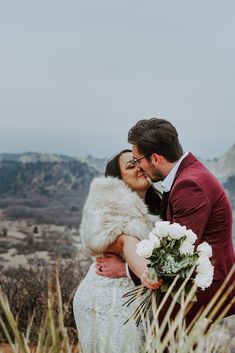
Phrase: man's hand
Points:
(111, 266)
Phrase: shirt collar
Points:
(168, 181)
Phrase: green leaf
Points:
(152, 274)
(164, 287)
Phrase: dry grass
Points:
(27, 291)
(170, 336)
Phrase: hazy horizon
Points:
(76, 76)
(99, 156)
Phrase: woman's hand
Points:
(145, 280)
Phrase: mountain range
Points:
(51, 188)
(224, 170)
(224, 167)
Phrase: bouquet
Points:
(171, 251)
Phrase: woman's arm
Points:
(136, 263)
(127, 245)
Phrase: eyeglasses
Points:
(136, 161)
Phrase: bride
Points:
(122, 202)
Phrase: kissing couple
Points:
(121, 209)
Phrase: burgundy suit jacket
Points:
(198, 201)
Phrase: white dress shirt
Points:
(168, 181)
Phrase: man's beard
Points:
(156, 175)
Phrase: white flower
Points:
(205, 249)
(163, 223)
(154, 231)
(144, 248)
(176, 231)
(154, 239)
(186, 248)
(205, 271)
(203, 280)
(191, 236)
(204, 265)
(161, 229)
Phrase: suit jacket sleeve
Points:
(190, 206)
(134, 278)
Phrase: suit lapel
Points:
(163, 206)
(166, 195)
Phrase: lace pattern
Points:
(100, 316)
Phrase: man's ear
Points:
(157, 159)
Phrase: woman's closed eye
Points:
(130, 165)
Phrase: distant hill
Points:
(230, 188)
(47, 188)
(97, 163)
(223, 167)
(34, 157)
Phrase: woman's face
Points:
(132, 175)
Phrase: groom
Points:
(192, 197)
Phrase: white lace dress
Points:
(100, 316)
(111, 209)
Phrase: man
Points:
(192, 197)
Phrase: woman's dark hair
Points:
(113, 167)
(156, 136)
(152, 197)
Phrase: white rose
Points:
(186, 248)
(176, 231)
(161, 229)
(205, 249)
(191, 236)
(154, 231)
(204, 265)
(144, 248)
(154, 239)
(203, 280)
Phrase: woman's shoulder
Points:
(113, 191)
(101, 184)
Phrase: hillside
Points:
(45, 190)
(33, 157)
(223, 167)
(97, 163)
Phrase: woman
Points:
(116, 205)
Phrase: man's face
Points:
(150, 165)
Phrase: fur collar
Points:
(111, 209)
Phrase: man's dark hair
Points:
(152, 197)
(156, 136)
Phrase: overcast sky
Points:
(76, 75)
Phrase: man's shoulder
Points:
(196, 179)
(195, 171)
